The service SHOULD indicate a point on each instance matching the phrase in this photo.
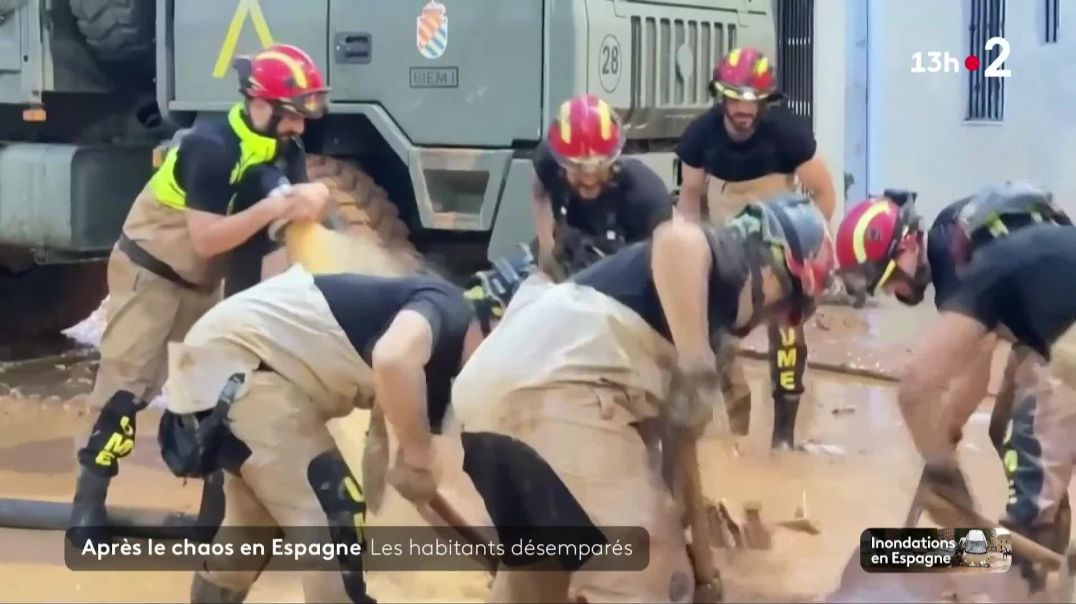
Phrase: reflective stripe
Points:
(606, 119)
(294, 66)
(996, 227)
(859, 247)
(254, 149)
(566, 122)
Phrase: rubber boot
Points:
(204, 592)
(89, 520)
(785, 409)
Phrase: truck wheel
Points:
(47, 299)
(117, 31)
(363, 205)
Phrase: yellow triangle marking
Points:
(243, 9)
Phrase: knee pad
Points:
(113, 435)
(342, 500)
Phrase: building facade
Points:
(895, 105)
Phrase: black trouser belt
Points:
(148, 261)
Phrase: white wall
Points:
(918, 138)
(830, 56)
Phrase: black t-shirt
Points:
(209, 153)
(626, 277)
(943, 271)
(1023, 282)
(365, 306)
(782, 143)
(631, 206)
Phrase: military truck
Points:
(436, 105)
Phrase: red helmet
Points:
(285, 76)
(745, 74)
(587, 133)
(870, 239)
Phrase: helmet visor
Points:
(746, 93)
(310, 105)
(589, 164)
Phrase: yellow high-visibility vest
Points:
(254, 149)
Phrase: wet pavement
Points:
(860, 471)
(873, 342)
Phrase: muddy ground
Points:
(859, 471)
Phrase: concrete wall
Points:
(917, 136)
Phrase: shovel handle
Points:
(438, 510)
(702, 557)
(1020, 543)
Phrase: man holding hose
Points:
(228, 179)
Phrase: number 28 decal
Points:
(610, 63)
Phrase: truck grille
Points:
(656, 80)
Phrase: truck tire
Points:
(363, 205)
(47, 299)
(117, 31)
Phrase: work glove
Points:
(549, 265)
(695, 400)
(417, 485)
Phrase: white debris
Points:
(815, 447)
(89, 332)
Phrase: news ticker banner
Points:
(913, 550)
(380, 548)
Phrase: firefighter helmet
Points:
(586, 133)
(285, 76)
(745, 74)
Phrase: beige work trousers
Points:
(588, 437)
(292, 466)
(1039, 451)
(724, 200)
(144, 313)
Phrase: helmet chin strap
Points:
(759, 256)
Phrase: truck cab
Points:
(435, 109)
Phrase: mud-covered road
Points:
(859, 471)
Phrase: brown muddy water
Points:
(859, 471)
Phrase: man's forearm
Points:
(401, 394)
(543, 222)
(690, 203)
(680, 268)
(229, 232)
(826, 200)
(926, 427)
(969, 389)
